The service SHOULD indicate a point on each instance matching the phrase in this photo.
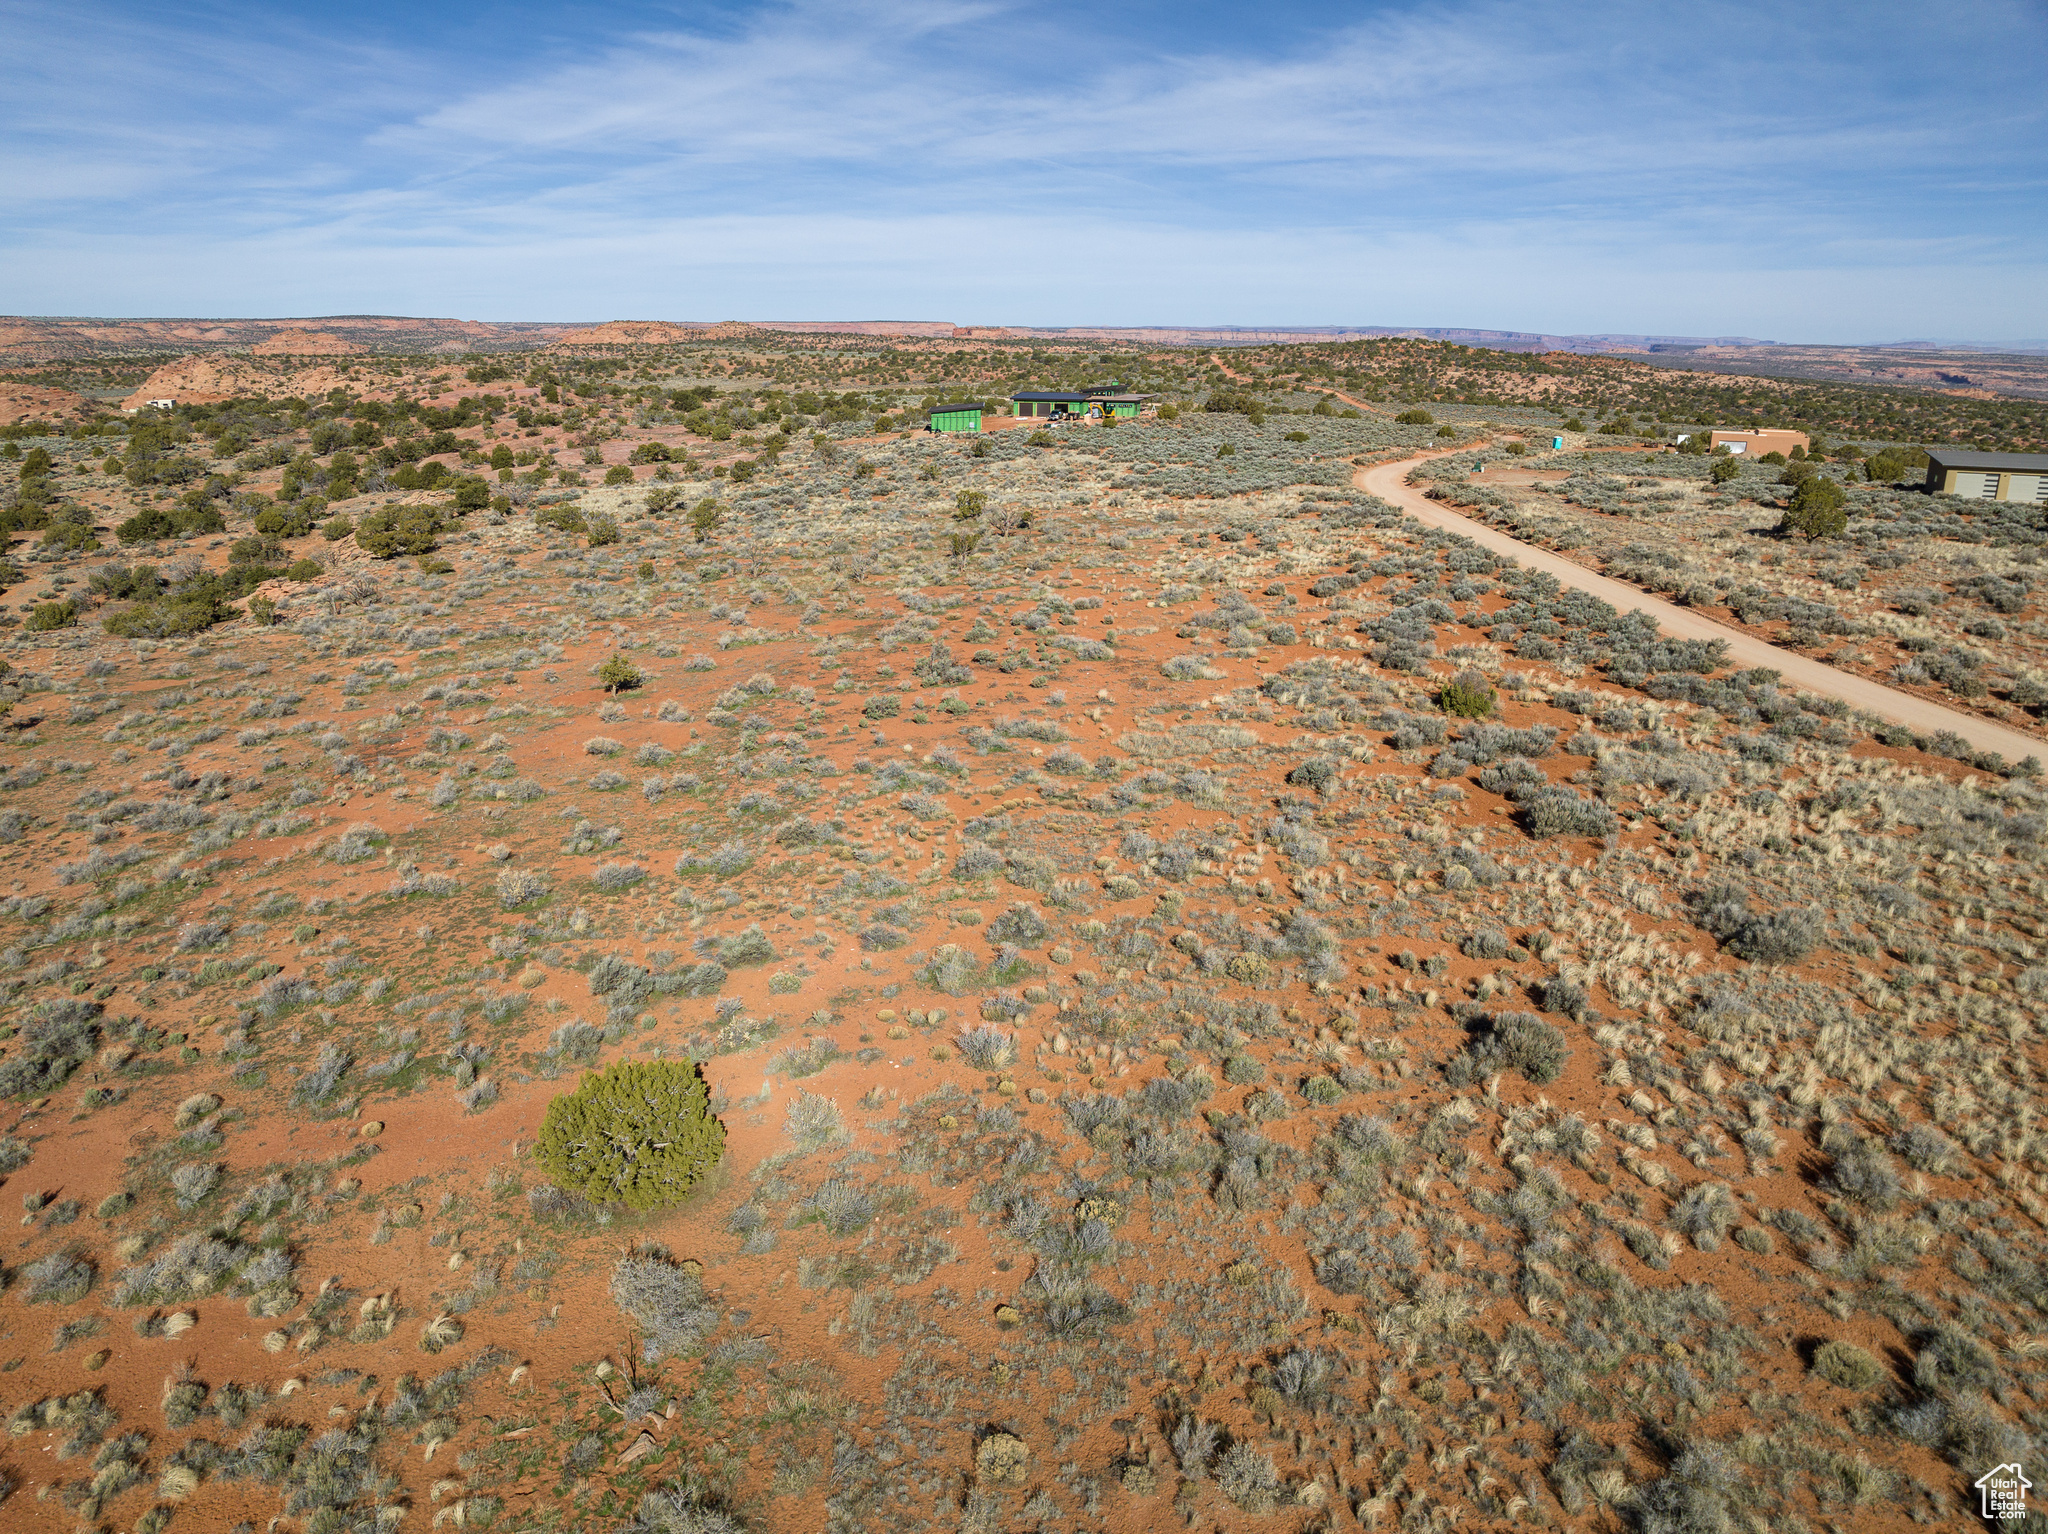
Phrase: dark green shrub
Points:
(71, 536)
(285, 521)
(641, 1134)
(45, 616)
(1816, 510)
(395, 530)
(158, 522)
(28, 517)
(337, 528)
(1415, 418)
(1318, 772)
(618, 673)
(1895, 463)
(602, 530)
(1466, 696)
(1322, 1091)
(1724, 469)
(199, 603)
(618, 474)
(304, 570)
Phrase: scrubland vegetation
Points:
(1214, 1007)
(1932, 594)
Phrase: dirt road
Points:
(1389, 481)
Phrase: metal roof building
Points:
(962, 415)
(1755, 441)
(1987, 476)
(1121, 404)
(1051, 402)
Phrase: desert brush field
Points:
(1201, 1002)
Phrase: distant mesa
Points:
(646, 333)
(940, 328)
(307, 343)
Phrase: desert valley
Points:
(1144, 981)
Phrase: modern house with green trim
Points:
(1050, 402)
(1068, 402)
(963, 415)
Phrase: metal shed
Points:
(963, 415)
(1987, 476)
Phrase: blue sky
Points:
(1820, 172)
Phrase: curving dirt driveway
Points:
(1389, 481)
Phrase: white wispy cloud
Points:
(1451, 158)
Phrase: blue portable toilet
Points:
(1557, 444)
